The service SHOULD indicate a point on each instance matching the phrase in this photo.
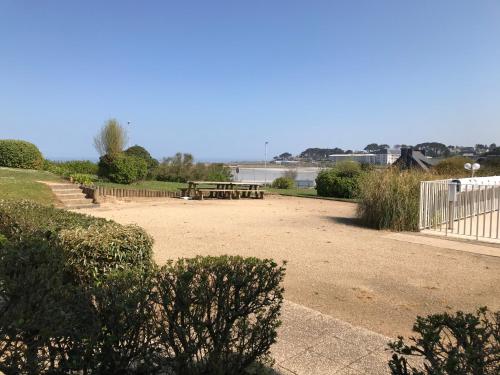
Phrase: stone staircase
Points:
(71, 196)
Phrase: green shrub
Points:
(390, 199)
(219, 314)
(92, 246)
(342, 181)
(83, 179)
(43, 315)
(124, 314)
(283, 183)
(459, 344)
(216, 172)
(51, 323)
(71, 167)
(180, 168)
(122, 169)
(20, 154)
(141, 153)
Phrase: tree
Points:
(285, 156)
(372, 147)
(434, 149)
(112, 138)
(141, 153)
(492, 146)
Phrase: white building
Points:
(386, 158)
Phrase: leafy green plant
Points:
(141, 153)
(342, 181)
(83, 179)
(66, 168)
(218, 314)
(122, 169)
(20, 154)
(459, 344)
(92, 246)
(283, 183)
(43, 315)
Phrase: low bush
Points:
(459, 344)
(283, 183)
(122, 169)
(92, 246)
(83, 179)
(20, 154)
(342, 181)
(66, 168)
(43, 315)
(219, 314)
(390, 199)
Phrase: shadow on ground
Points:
(351, 221)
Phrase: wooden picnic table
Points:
(223, 189)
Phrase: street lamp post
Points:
(265, 162)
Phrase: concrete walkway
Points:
(311, 343)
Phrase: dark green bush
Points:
(141, 153)
(43, 315)
(122, 169)
(92, 246)
(342, 181)
(51, 323)
(219, 314)
(124, 313)
(20, 154)
(460, 344)
(283, 183)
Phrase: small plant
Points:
(283, 183)
(20, 154)
(83, 179)
(459, 344)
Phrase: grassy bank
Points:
(24, 184)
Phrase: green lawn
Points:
(23, 184)
(152, 185)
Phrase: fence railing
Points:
(95, 192)
(467, 209)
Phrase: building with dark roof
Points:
(414, 159)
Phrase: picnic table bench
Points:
(218, 189)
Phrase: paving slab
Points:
(311, 343)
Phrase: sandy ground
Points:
(355, 274)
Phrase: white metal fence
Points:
(467, 207)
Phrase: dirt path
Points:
(354, 274)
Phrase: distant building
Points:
(414, 159)
(386, 157)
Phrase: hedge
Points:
(283, 183)
(20, 154)
(81, 295)
(122, 169)
(93, 246)
(341, 181)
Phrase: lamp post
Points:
(265, 162)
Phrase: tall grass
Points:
(390, 199)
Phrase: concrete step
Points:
(73, 194)
(78, 206)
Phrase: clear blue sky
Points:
(218, 78)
